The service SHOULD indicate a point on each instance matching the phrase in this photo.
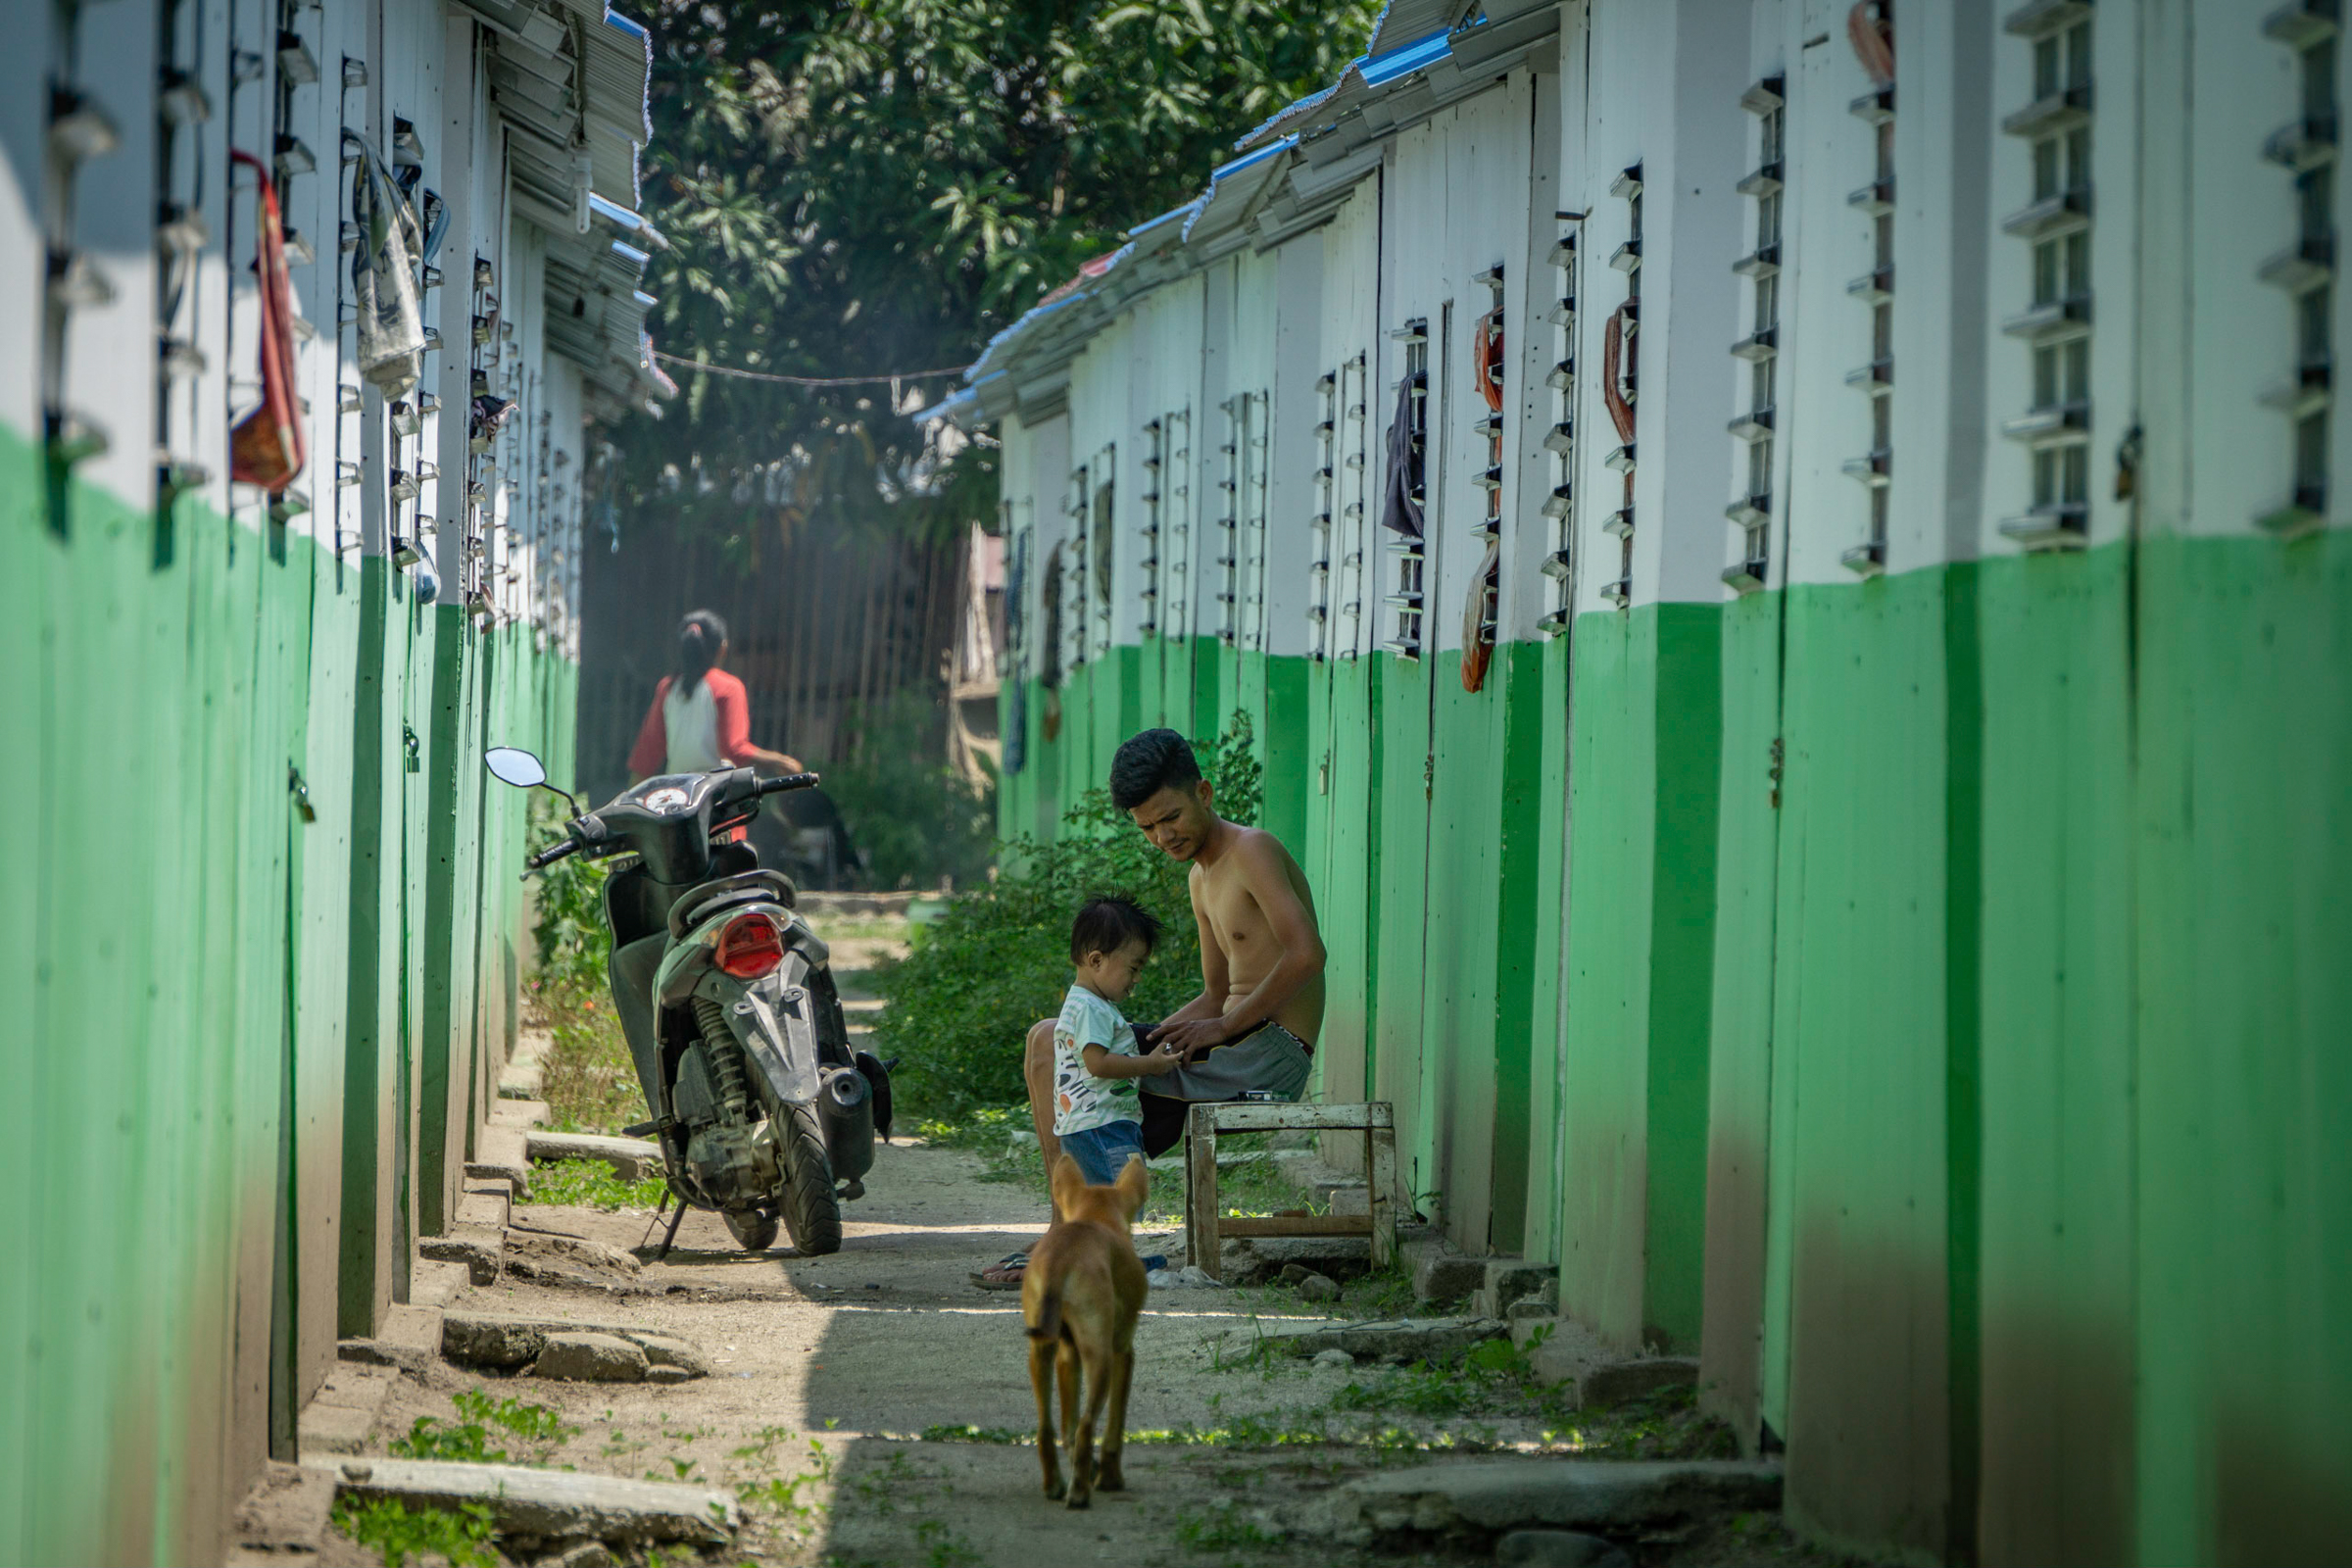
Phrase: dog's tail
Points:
(1048, 1318)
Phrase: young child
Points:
(1096, 1114)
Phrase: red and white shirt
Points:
(696, 731)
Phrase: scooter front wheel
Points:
(811, 1213)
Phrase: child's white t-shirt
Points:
(1083, 1101)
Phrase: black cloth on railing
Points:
(1397, 509)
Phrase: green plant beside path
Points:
(999, 957)
(399, 1534)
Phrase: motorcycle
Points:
(762, 1110)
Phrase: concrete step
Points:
(436, 1283)
(341, 1416)
(526, 1073)
(520, 1114)
(1510, 1281)
(283, 1517)
(501, 1151)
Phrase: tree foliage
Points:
(874, 185)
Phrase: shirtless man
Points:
(1260, 1006)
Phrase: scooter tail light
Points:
(750, 945)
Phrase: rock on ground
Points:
(1318, 1288)
(1479, 1499)
(591, 1358)
(529, 1505)
(1411, 1339)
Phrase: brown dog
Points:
(1080, 1295)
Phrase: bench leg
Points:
(1381, 1183)
(1200, 1205)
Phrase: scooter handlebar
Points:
(788, 781)
(550, 856)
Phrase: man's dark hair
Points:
(1105, 925)
(1147, 763)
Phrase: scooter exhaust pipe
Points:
(846, 1107)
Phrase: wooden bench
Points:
(1206, 1230)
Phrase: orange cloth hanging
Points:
(1478, 617)
(266, 447)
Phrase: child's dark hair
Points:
(1106, 924)
(1148, 763)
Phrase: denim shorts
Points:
(1101, 1152)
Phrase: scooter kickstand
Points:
(659, 1209)
(672, 1234)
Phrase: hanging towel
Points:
(266, 447)
(1398, 510)
(383, 276)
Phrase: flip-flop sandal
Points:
(1005, 1274)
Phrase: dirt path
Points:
(859, 1354)
(872, 1408)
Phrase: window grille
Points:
(1174, 486)
(1875, 469)
(1619, 361)
(1404, 600)
(1147, 559)
(2055, 328)
(1350, 574)
(1227, 560)
(1250, 534)
(1560, 441)
(1750, 512)
(2307, 148)
(1322, 527)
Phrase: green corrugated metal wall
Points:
(226, 1006)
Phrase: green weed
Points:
(942, 1548)
(592, 1184)
(972, 1434)
(1223, 1529)
(469, 1439)
(397, 1533)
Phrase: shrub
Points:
(999, 959)
(914, 820)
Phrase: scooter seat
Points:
(763, 886)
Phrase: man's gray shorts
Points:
(1269, 1057)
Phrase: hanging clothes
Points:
(1017, 642)
(384, 276)
(266, 447)
(1399, 510)
(1485, 584)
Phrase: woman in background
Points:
(700, 720)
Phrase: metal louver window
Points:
(1148, 559)
(1560, 440)
(1078, 509)
(1173, 484)
(1620, 381)
(1875, 469)
(2307, 148)
(1322, 530)
(2056, 128)
(1758, 353)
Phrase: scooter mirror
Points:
(511, 765)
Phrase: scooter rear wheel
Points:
(811, 1213)
(754, 1228)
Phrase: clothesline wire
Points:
(702, 368)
